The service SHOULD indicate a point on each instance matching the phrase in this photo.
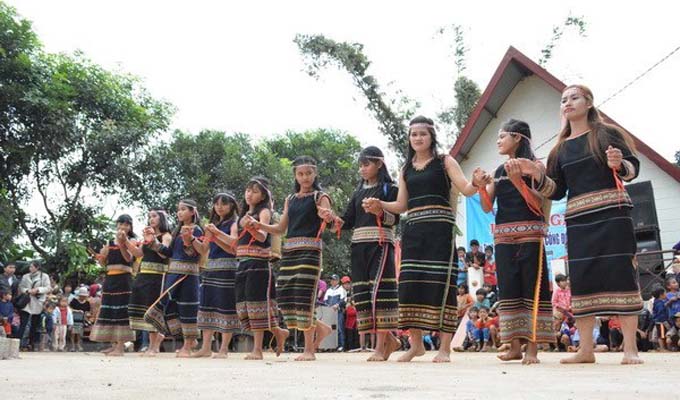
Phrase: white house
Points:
(522, 89)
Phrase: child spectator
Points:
(82, 317)
(672, 297)
(63, 322)
(462, 267)
(482, 301)
(490, 269)
(561, 300)
(490, 294)
(7, 314)
(673, 335)
(615, 333)
(644, 330)
(351, 331)
(483, 333)
(465, 301)
(46, 326)
(660, 317)
(471, 329)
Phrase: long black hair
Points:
(433, 134)
(225, 198)
(306, 160)
(126, 219)
(262, 183)
(163, 223)
(196, 220)
(515, 126)
(373, 154)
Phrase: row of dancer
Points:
(238, 287)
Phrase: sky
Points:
(233, 66)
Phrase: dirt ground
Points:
(334, 376)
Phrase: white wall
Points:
(535, 102)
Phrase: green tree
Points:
(577, 23)
(69, 129)
(392, 114)
(336, 154)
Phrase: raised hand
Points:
(514, 169)
(326, 214)
(530, 168)
(614, 157)
(186, 232)
(372, 205)
(480, 177)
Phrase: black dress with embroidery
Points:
(427, 278)
(300, 262)
(521, 266)
(374, 281)
(601, 242)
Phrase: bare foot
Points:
(306, 357)
(377, 356)
(281, 336)
(115, 353)
(631, 359)
(484, 349)
(254, 355)
(414, 351)
(322, 330)
(528, 359)
(579, 358)
(510, 356)
(202, 353)
(220, 355)
(107, 351)
(150, 353)
(183, 353)
(393, 344)
(443, 356)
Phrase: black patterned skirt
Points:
(113, 322)
(520, 259)
(217, 309)
(427, 278)
(374, 286)
(298, 281)
(256, 295)
(146, 288)
(602, 269)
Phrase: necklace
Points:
(423, 166)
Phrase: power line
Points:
(637, 78)
(640, 76)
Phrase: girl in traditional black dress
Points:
(374, 283)
(113, 323)
(217, 311)
(427, 278)
(148, 283)
(590, 161)
(524, 295)
(175, 312)
(255, 286)
(298, 278)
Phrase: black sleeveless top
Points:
(215, 250)
(152, 256)
(246, 238)
(511, 205)
(303, 218)
(355, 215)
(115, 257)
(428, 187)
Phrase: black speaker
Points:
(648, 239)
(644, 208)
